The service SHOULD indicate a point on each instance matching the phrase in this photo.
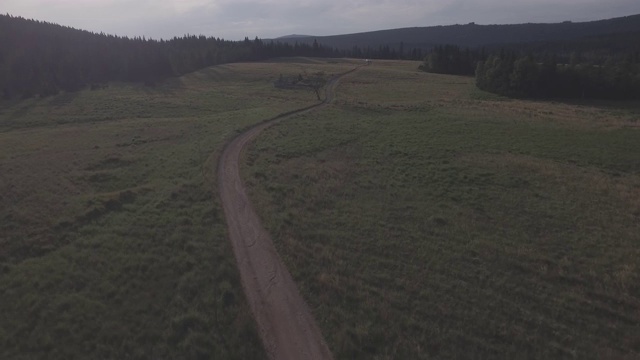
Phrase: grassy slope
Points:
(112, 239)
(423, 218)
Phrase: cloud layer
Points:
(235, 19)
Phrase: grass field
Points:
(423, 218)
(112, 240)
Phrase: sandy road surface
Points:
(285, 323)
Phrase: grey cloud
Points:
(235, 19)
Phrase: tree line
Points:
(40, 58)
(510, 74)
(451, 59)
(591, 73)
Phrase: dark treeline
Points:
(509, 74)
(605, 67)
(316, 49)
(451, 59)
(476, 36)
(594, 49)
(384, 52)
(38, 58)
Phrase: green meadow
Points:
(423, 218)
(420, 217)
(112, 239)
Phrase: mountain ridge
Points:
(475, 35)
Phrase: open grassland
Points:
(112, 239)
(423, 218)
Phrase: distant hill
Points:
(597, 46)
(473, 35)
(293, 37)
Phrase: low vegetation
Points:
(112, 240)
(420, 216)
(424, 218)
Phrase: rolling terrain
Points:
(113, 241)
(423, 218)
(475, 35)
(419, 217)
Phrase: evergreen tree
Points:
(523, 76)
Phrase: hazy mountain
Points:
(473, 35)
(293, 36)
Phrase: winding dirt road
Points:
(285, 323)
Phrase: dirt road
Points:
(285, 323)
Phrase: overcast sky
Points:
(235, 19)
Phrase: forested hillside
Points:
(592, 48)
(528, 76)
(604, 67)
(475, 35)
(39, 58)
(42, 59)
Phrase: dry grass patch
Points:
(623, 188)
(393, 83)
(577, 116)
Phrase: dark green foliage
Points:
(476, 35)
(41, 59)
(450, 59)
(586, 49)
(526, 76)
(38, 58)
